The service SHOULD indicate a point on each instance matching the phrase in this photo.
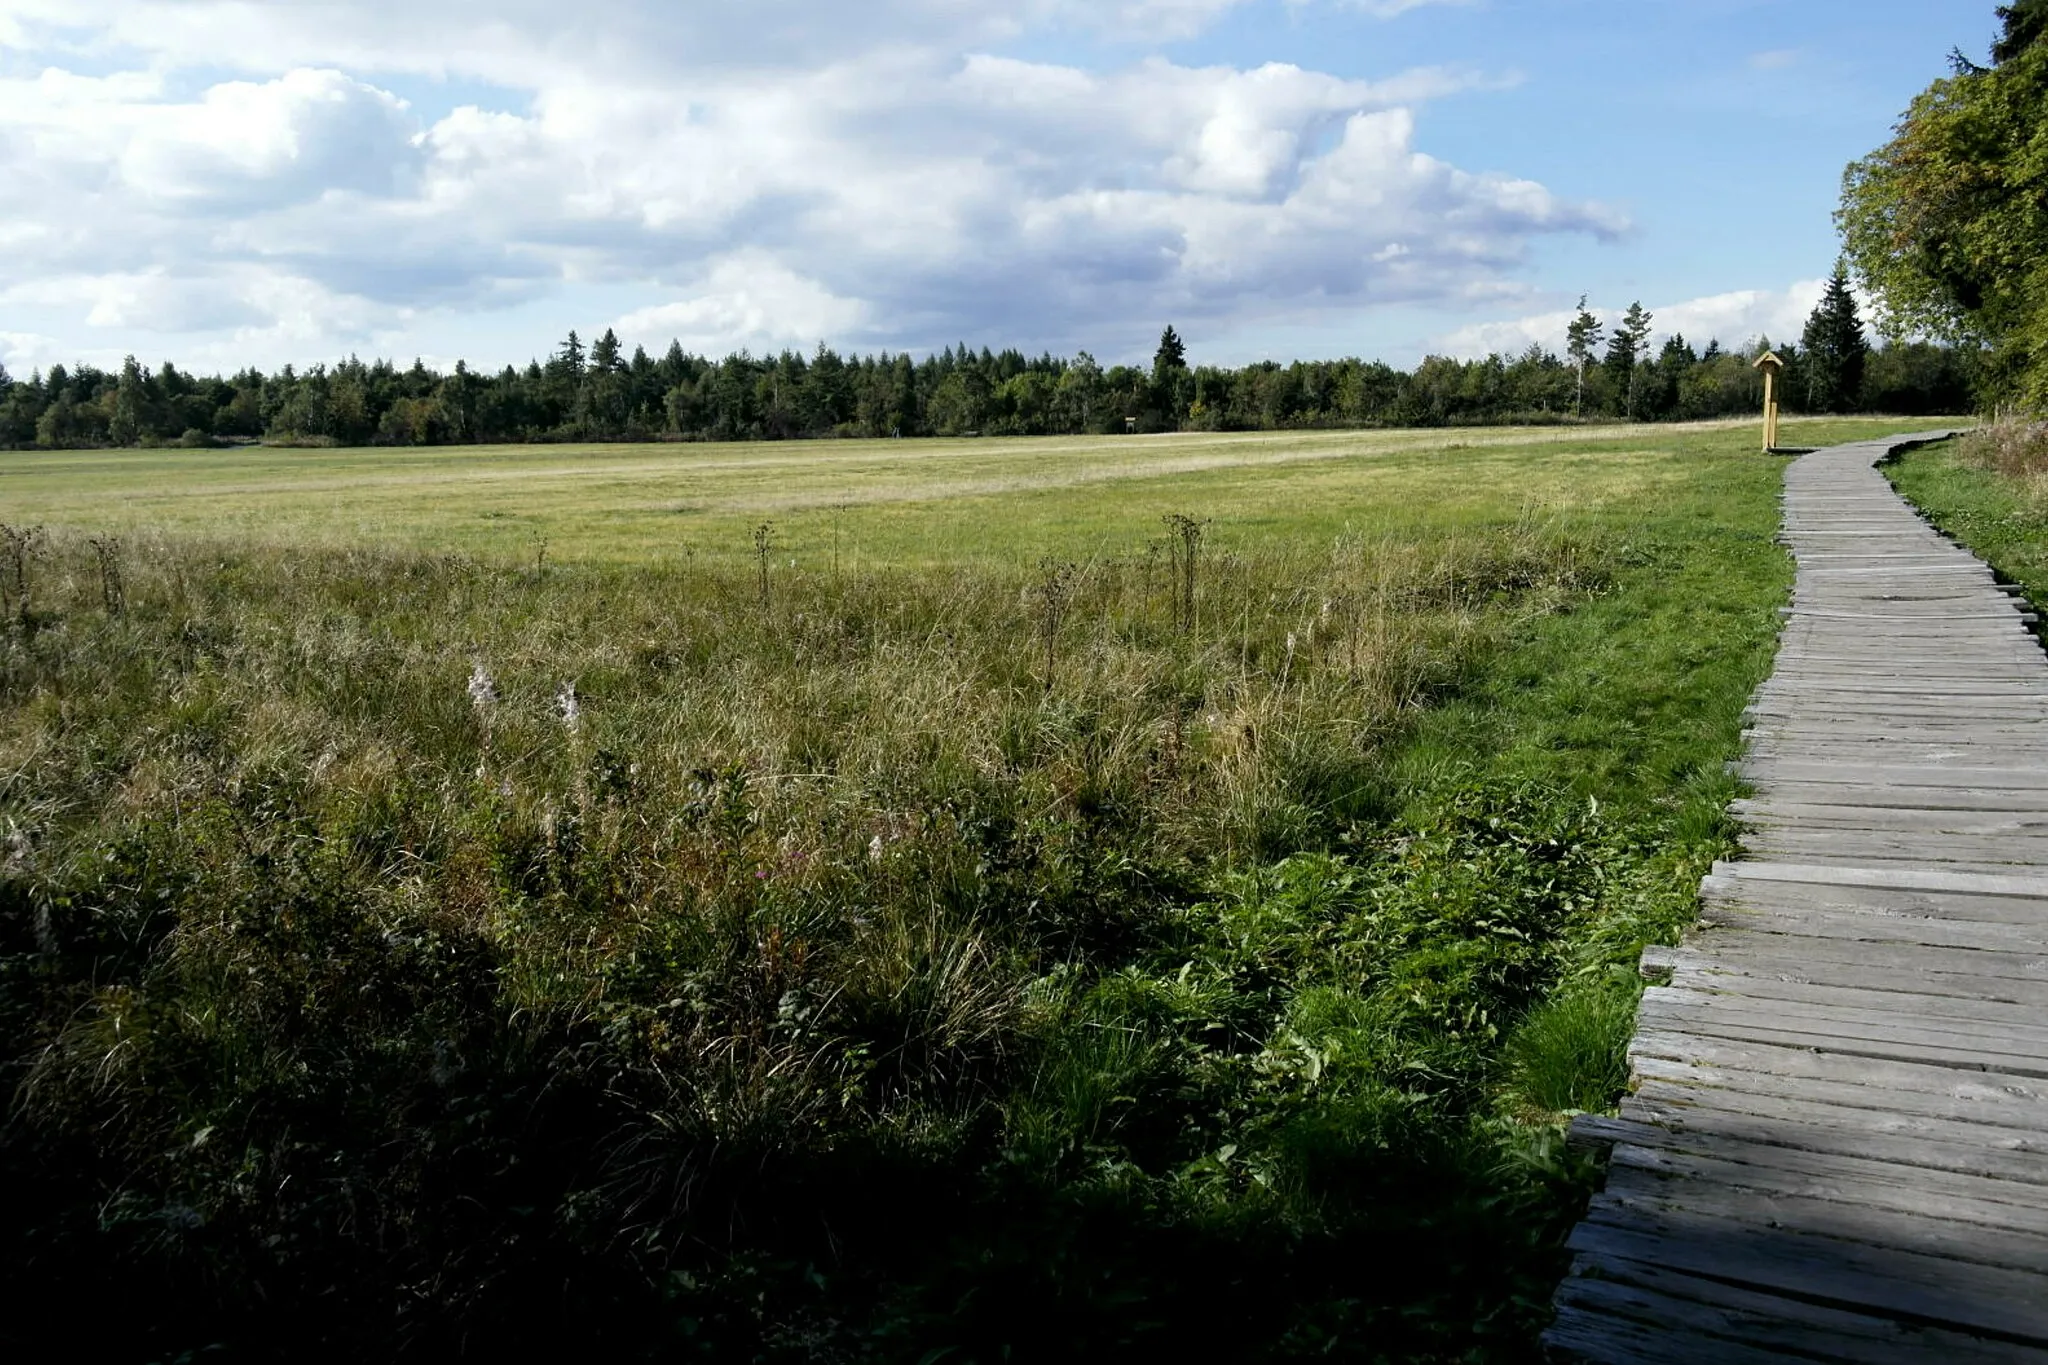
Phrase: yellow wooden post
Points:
(1772, 367)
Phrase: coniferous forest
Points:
(600, 393)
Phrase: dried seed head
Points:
(483, 689)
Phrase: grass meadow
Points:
(854, 901)
(886, 505)
(1989, 490)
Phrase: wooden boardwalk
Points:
(1837, 1148)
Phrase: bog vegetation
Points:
(1180, 935)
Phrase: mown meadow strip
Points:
(1184, 937)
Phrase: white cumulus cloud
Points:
(1735, 318)
(772, 174)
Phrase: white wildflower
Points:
(567, 708)
(875, 849)
(483, 689)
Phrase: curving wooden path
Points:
(1837, 1148)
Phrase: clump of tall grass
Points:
(2013, 446)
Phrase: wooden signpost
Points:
(1772, 367)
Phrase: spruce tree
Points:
(2024, 23)
(1170, 380)
(1170, 356)
(1835, 350)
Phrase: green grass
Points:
(882, 503)
(946, 958)
(2002, 516)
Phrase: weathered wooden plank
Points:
(1852, 992)
(1874, 925)
(1903, 1040)
(1706, 1108)
(1924, 1190)
(1745, 1137)
(2030, 887)
(1905, 797)
(1765, 732)
(1658, 1305)
(1905, 917)
(1777, 716)
(1906, 902)
(2011, 779)
(1630, 1193)
(1989, 970)
(1846, 844)
(2020, 978)
(1892, 1281)
(1605, 1340)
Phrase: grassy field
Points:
(1990, 491)
(999, 935)
(879, 503)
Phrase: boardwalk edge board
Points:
(1836, 1142)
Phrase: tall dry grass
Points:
(2013, 446)
(341, 889)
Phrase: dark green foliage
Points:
(1625, 347)
(1171, 358)
(2023, 24)
(1833, 349)
(602, 397)
(1946, 225)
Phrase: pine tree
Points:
(1835, 349)
(1581, 340)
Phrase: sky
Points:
(222, 183)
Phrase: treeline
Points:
(600, 393)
